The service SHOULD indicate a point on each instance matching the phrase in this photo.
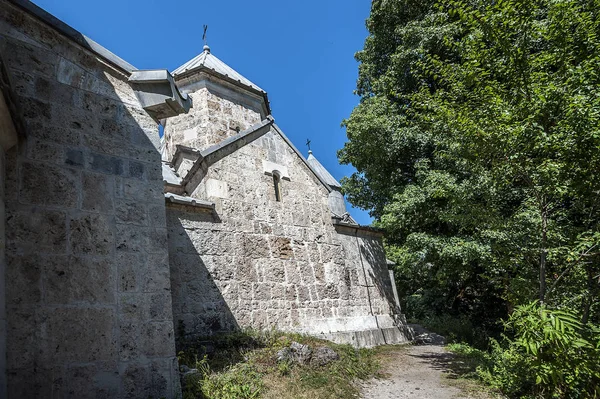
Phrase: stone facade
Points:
(88, 299)
(261, 263)
(256, 259)
(219, 112)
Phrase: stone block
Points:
(40, 229)
(157, 240)
(22, 339)
(35, 111)
(131, 212)
(23, 274)
(44, 184)
(30, 59)
(97, 193)
(155, 276)
(130, 340)
(92, 234)
(157, 214)
(256, 246)
(56, 134)
(306, 273)
(38, 150)
(105, 164)
(79, 279)
(136, 170)
(159, 339)
(132, 238)
(245, 271)
(128, 271)
(281, 247)
(275, 271)
(78, 335)
(51, 91)
(159, 306)
(90, 382)
(135, 189)
(74, 158)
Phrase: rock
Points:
(190, 373)
(323, 356)
(183, 368)
(284, 355)
(301, 353)
(430, 339)
(295, 353)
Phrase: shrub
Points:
(552, 355)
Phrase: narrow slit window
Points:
(277, 186)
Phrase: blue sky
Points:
(300, 52)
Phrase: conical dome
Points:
(207, 61)
(322, 172)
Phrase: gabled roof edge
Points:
(74, 34)
(227, 79)
(209, 155)
(285, 138)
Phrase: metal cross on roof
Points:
(204, 35)
(308, 144)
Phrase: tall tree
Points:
(477, 146)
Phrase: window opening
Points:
(277, 186)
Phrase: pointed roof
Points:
(322, 172)
(206, 60)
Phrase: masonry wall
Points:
(219, 111)
(265, 264)
(88, 291)
(3, 392)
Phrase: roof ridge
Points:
(208, 60)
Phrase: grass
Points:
(243, 365)
(463, 366)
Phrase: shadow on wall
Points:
(203, 283)
(88, 304)
(373, 254)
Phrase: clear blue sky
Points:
(300, 52)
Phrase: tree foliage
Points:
(477, 148)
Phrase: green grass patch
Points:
(243, 365)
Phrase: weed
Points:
(242, 365)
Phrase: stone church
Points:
(118, 246)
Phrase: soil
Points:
(423, 371)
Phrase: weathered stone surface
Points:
(44, 230)
(84, 286)
(62, 192)
(89, 338)
(91, 234)
(323, 356)
(97, 193)
(76, 279)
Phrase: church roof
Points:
(322, 172)
(206, 60)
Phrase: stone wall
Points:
(88, 291)
(3, 392)
(260, 263)
(218, 112)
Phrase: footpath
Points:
(420, 371)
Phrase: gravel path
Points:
(416, 372)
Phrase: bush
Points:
(552, 355)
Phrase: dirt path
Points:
(419, 372)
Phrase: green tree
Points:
(477, 147)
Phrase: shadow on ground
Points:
(453, 365)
